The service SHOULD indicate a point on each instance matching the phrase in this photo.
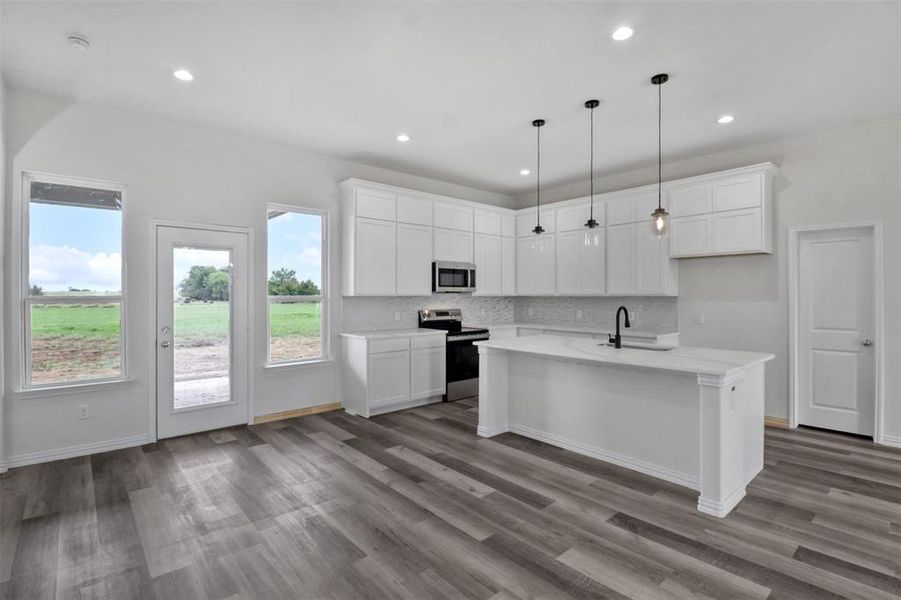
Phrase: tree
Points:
(205, 283)
(283, 282)
(35, 290)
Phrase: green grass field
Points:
(193, 321)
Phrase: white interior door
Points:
(836, 313)
(201, 330)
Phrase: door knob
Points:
(867, 342)
(164, 344)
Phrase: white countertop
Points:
(704, 361)
(632, 333)
(392, 333)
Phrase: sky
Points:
(81, 248)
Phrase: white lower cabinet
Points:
(383, 374)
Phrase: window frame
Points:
(322, 298)
(27, 300)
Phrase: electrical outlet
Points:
(579, 314)
(397, 316)
(83, 412)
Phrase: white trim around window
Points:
(25, 300)
(322, 298)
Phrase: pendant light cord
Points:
(538, 178)
(659, 148)
(591, 167)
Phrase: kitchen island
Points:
(692, 416)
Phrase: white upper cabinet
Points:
(453, 245)
(620, 259)
(525, 221)
(488, 260)
(508, 225)
(414, 209)
(376, 204)
(580, 261)
(723, 213)
(508, 266)
(414, 259)
(453, 216)
(375, 256)
(536, 265)
(487, 221)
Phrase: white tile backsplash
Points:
(374, 313)
(659, 315)
(368, 314)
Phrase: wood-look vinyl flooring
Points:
(413, 505)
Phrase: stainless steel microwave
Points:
(453, 277)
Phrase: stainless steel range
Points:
(462, 354)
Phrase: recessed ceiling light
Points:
(524, 172)
(403, 137)
(622, 33)
(78, 42)
(725, 119)
(183, 75)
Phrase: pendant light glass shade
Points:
(538, 229)
(591, 223)
(659, 218)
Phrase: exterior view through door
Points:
(201, 329)
(836, 329)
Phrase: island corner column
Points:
(722, 473)
(494, 416)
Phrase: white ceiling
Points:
(465, 79)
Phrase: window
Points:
(74, 297)
(297, 285)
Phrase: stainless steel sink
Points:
(639, 346)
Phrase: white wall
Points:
(2, 239)
(178, 172)
(833, 176)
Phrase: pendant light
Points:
(659, 218)
(591, 223)
(538, 124)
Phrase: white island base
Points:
(692, 416)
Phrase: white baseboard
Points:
(891, 440)
(492, 431)
(621, 460)
(403, 405)
(33, 458)
(721, 509)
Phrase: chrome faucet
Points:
(617, 340)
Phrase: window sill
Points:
(72, 388)
(298, 364)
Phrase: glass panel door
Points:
(201, 330)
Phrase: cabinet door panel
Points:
(487, 254)
(526, 266)
(593, 249)
(546, 283)
(414, 260)
(376, 204)
(389, 378)
(487, 222)
(691, 200)
(740, 192)
(569, 262)
(650, 259)
(444, 240)
(427, 372)
(572, 218)
(508, 226)
(691, 236)
(461, 246)
(375, 266)
(645, 204)
(525, 222)
(621, 258)
(463, 217)
(413, 209)
(739, 230)
(620, 211)
(508, 266)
